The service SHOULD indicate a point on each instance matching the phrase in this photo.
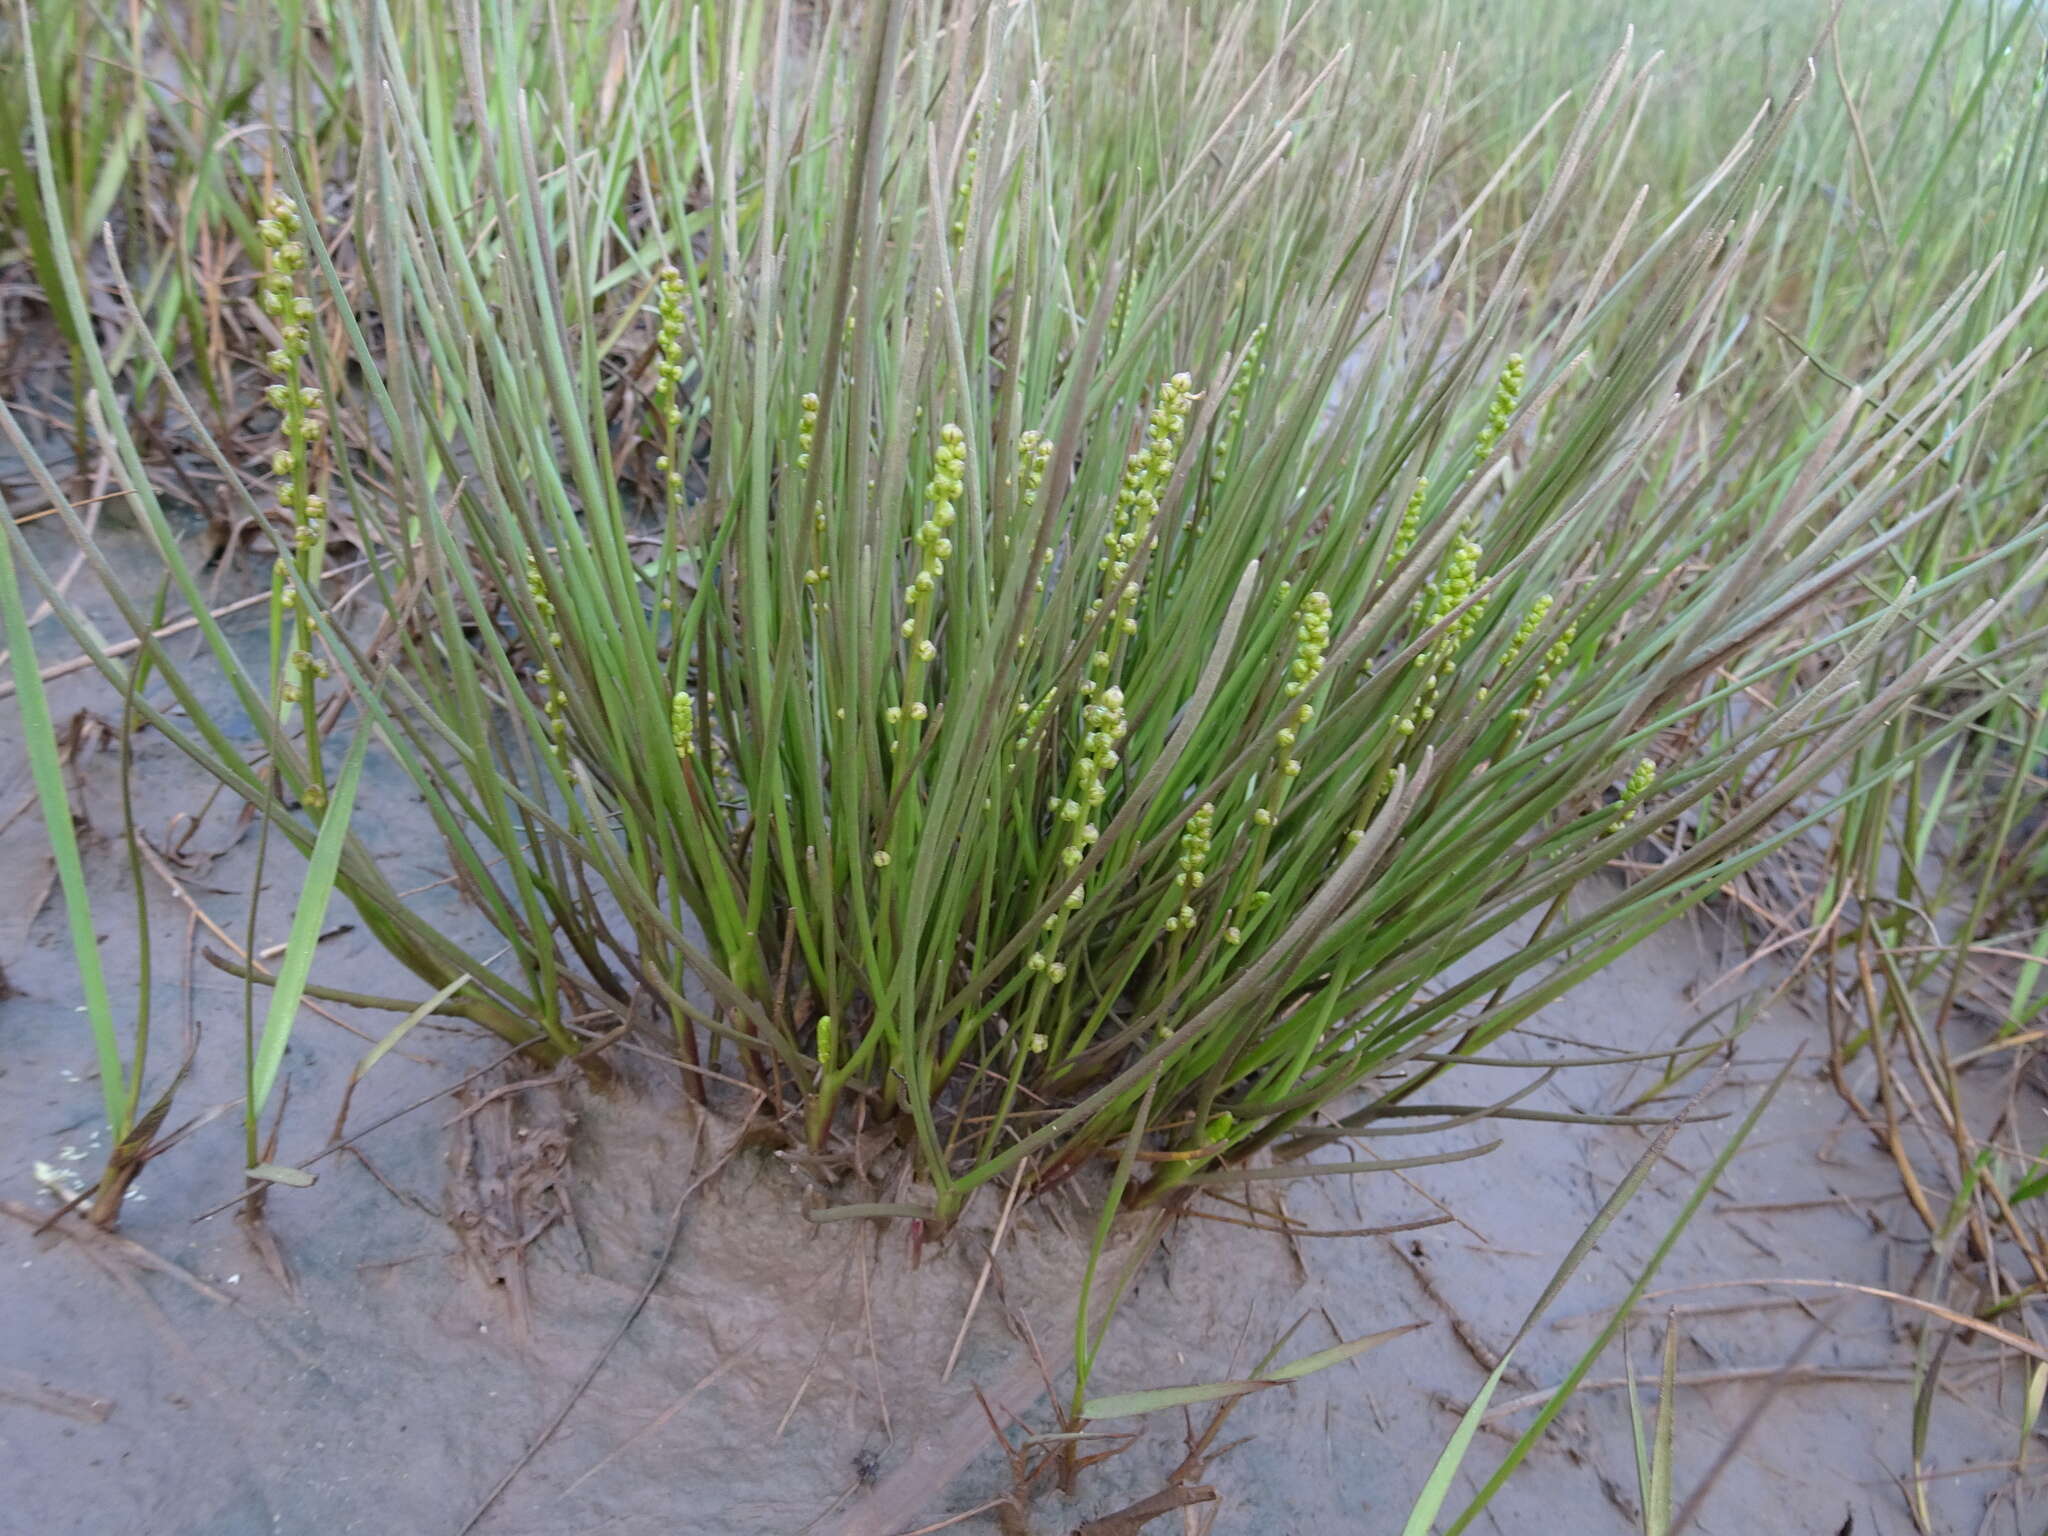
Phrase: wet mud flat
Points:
(431, 1310)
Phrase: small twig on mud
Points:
(272, 951)
(654, 1274)
(964, 1515)
(1933, 1309)
(559, 1074)
(1133, 1518)
(1485, 1358)
(21, 1387)
(1729, 1377)
(1295, 1230)
(122, 1277)
(987, 1268)
(22, 520)
(128, 1248)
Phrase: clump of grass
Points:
(1132, 643)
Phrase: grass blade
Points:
(39, 738)
(296, 965)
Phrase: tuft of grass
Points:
(1071, 624)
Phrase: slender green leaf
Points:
(295, 966)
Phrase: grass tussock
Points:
(1069, 623)
(1076, 583)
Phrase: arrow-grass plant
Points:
(1057, 619)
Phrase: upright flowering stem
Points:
(1411, 523)
(297, 401)
(1034, 453)
(935, 545)
(1640, 780)
(818, 572)
(1524, 633)
(1556, 656)
(1146, 475)
(1212, 1130)
(1086, 791)
(963, 197)
(1311, 644)
(1447, 594)
(1191, 871)
(1441, 597)
(1506, 392)
(1178, 924)
(554, 697)
(668, 413)
(1034, 717)
(1223, 445)
(1233, 416)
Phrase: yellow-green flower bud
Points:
(1505, 394)
(1411, 521)
(683, 725)
(1639, 782)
